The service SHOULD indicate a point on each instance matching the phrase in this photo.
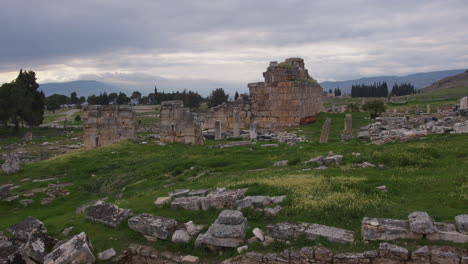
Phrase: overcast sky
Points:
(200, 44)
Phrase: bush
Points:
(78, 118)
(375, 108)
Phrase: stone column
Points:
(253, 130)
(236, 123)
(325, 131)
(416, 111)
(218, 130)
(428, 108)
(348, 128)
(464, 103)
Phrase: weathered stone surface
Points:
(5, 190)
(286, 230)
(161, 201)
(154, 226)
(199, 192)
(351, 258)
(325, 131)
(190, 259)
(223, 199)
(289, 230)
(228, 231)
(258, 201)
(386, 229)
(421, 255)
(192, 229)
(445, 255)
(393, 251)
(461, 221)
(10, 252)
(447, 232)
(21, 230)
(318, 160)
(179, 193)
(323, 254)
(11, 166)
(107, 254)
(218, 132)
(107, 124)
(422, 223)
(26, 202)
(76, 250)
(85, 206)
(181, 236)
(188, 203)
(333, 159)
(231, 217)
(107, 214)
(38, 245)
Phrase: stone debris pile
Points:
(389, 129)
(228, 231)
(145, 254)
(29, 242)
(418, 226)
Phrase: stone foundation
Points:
(107, 124)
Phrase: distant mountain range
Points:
(419, 80)
(89, 87)
(82, 88)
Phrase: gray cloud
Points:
(228, 42)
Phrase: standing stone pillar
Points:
(464, 103)
(218, 130)
(348, 128)
(325, 131)
(438, 109)
(253, 130)
(428, 108)
(407, 110)
(236, 124)
(416, 111)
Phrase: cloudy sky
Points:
(198, 44)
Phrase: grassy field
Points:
(423, 175)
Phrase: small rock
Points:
(192, 229)
(181, 236)
(258, 233)
(252, 240)
(26, 202)
(179, 193)
(321, 168)
(421, 223)
(162, 201)
(242, 249)
(268, 240)
(281, 163)
(190, 259)
(75, 250)
(67, 230)
(461, 221)
(273, 211)
(107, 254)
(278, 199)
(382, 188)
(11, 198)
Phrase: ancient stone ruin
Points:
(107, 124)
(179, 124)
(287, 97)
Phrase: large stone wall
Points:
(178, 124)
(287, 97)
(107, 124)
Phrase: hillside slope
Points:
(419, 80)
(457, 81)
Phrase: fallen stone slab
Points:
(5, 190)
(76, 250)
(11, 198)
(257, 201)
(258, 233)
(421, 223)
(363, 165)
(386, 229)
(152, 226)
(269, 145)
(107, 254)
(85, 206)
(107, 214)
(188, 203)
(333, 234)
(273, 211)
(393, 252)
(318, 160)
(179, 193)
(21, 230)
(333, 159)
(447, 232)
(222, 199)
(46, 180)
(199, 193)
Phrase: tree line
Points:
(379, 89)
(402, 89)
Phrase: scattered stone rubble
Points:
(389, 129)
(228, 231)
(420, 225)
(11, 163)
(136, 254)
(152, 227)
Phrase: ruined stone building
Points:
(107, 124)
(179, 124)
(287, 97)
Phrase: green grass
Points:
(422, 175)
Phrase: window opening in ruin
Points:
(97, 142)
